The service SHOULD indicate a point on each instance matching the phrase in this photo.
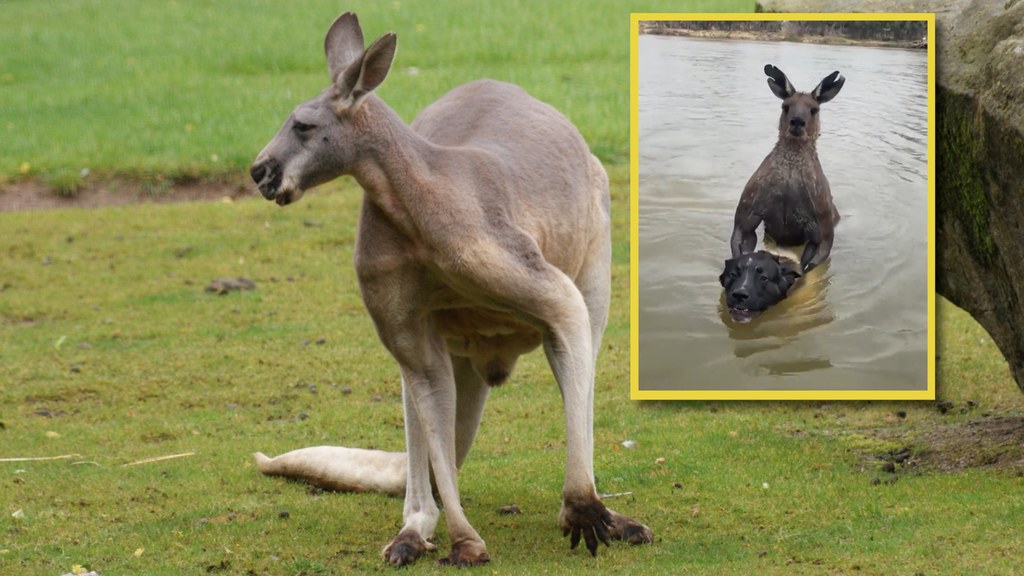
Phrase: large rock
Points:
(979, 144)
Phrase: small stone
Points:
(509, 510)
(283, 515)
(222, 286)
(875, 481)
(889, 467)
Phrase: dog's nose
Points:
(739, 295)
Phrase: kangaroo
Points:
(789, 191)
(484, 233)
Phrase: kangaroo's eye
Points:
(303, 128)
(785, 108)
(814, 111)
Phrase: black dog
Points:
(756, 281)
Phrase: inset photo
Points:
(782, 206)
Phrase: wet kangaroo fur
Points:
(484, 233)
(789, 191)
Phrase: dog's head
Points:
(756, 281)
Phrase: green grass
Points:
(112, 350)
(197, 87)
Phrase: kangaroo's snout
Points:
(267, 176)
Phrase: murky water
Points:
(707, 119)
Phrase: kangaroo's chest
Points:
(787, 206)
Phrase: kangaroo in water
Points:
(789, 191)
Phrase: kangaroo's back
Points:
(555, 186)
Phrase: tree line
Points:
(888, 31)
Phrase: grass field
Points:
(196, 88)
(113, 354)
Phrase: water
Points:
(706, 121)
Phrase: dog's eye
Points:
(764, 279)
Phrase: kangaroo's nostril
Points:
(796, 122)
(257, 172)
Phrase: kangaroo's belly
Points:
(790, 228)
(492, 340)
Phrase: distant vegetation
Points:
(911, 33)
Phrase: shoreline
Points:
(776, 37)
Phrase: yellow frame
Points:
(634, 257)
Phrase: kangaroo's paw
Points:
(626, 529)
(405, 548)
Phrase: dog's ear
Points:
(725, 272)
(787, 277)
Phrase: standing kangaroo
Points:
(789, 191)
(484, 233)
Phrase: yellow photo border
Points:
(634, 201)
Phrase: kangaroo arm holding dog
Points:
(484, 233)
(789, 192)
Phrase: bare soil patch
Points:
(34, 195)
(995, 442)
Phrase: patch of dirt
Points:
(34, 195)
(991, 443)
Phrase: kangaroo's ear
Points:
(778, 82)
(365, 73)
(828, 87)
(343, 44)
